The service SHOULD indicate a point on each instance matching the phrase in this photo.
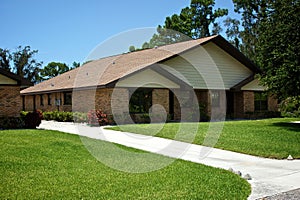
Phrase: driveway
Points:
(268, 176)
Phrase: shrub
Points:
(290, 107)
(12, 123)
(97, 117)
(58, 116)
(80, 117)
(33, 119)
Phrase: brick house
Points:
(10, 99)
(209, 72)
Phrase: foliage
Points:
(58, 116)
(233, 32)
(12, 123)
(271, 138)
(33, 119)
(192, 22)
(53, 69)
(24, 63)
(131, 48)
(45, 164)
(279, 49)
(253, 13)
(5, 58)
(97, 117)
(80, 117)
(290, 107)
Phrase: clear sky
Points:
(68, 30)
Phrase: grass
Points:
(36, 164)
(271, 138)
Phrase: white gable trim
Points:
(147, 78)
(4, 80)
(254, 86)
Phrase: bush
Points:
(58, 116)
(97, 117)
(80, 117)
(33, 119)
(12, 123)
(290, 107)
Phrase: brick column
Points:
(248, 101)
(161, 97)
(10, 101)
(272, 104)
(119, 101)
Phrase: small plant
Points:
(97, 117)
(33, 119)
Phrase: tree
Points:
(53, 69)
(194, 22)
(278, 48)
(24, 63)
(253, 13)
(75, 65)
(5, 58)
(233, 31)
(131, 48)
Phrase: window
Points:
(41, 100)
(215, 98)
(49, 99)
(67, 98)
(260, 101)
(140, 100)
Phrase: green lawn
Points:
(36, 164)
(271, 138)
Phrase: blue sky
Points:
(68, 30)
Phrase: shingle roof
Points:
(107, 70)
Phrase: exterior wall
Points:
(29, 103)
(116, 100)
(207, 67)
(248, 101)
(10, 101)
(244, 105)
(160, 97)
(83, 101)
(273, 104)
(217, 112)
(184, 105)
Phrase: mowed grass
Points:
(39, 164)
(271, 138)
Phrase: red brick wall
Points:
(10, 101)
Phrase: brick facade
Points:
(116, 101)
(10, 101)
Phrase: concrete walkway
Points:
(269, 177)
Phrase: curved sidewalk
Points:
(269, 177)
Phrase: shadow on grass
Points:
(288, 125)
